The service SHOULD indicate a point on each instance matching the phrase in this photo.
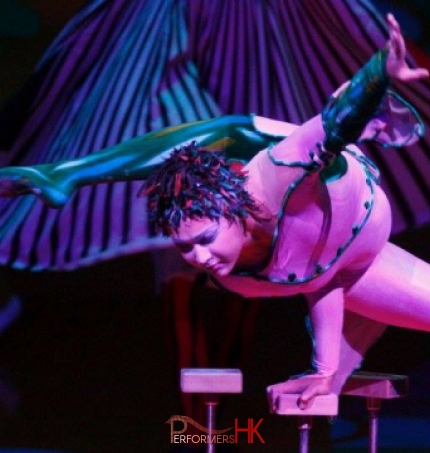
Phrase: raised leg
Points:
(133, 159)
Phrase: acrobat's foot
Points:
(16, 181)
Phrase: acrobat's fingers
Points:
(307, 397)
(397, 67)
(396, 42)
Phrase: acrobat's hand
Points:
(308, 386)
(397, 67)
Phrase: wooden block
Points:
(376, 385)
(211, 380)
(322, 405)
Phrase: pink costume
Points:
(331, 242)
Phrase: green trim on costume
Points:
(334, 171)
(344, 119)
(371, 174)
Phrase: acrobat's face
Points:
(210, 245)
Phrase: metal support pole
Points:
(304, 425)
(211, 401)
(373, 407)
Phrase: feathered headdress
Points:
(196, 183)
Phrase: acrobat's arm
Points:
(347, 114)
(363, 108)
(326, 310)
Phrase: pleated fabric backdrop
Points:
(122, 68)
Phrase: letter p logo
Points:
(172, 420)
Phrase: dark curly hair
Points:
(194, 183)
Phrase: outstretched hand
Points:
(308, 386)
(396, 65)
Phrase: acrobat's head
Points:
(195, 183)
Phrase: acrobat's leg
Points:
(134, 159)
(394, 290)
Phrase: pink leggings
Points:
(395, 290)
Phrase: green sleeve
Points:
(345, 117)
